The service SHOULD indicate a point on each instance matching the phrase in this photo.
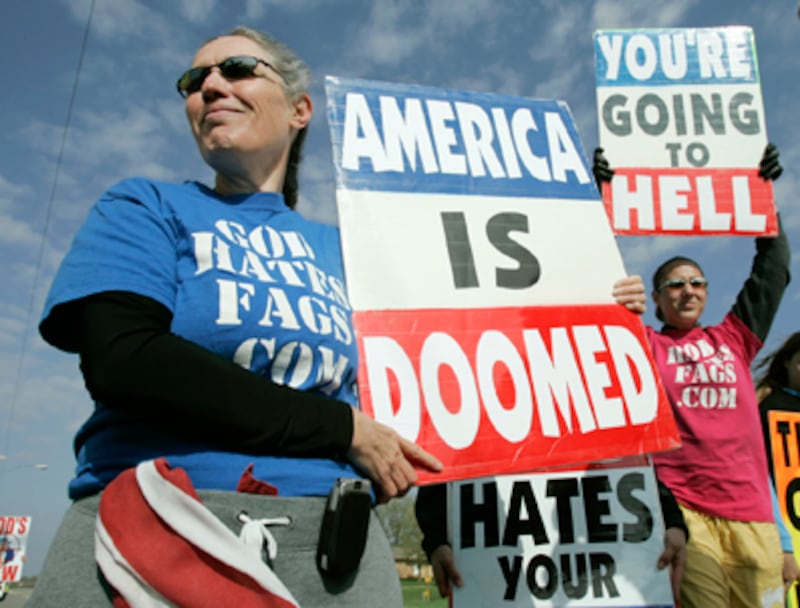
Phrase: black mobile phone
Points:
(343, 533)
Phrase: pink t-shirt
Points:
(721, 468)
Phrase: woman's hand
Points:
(630, 293)
(674, 556)
(791, 572)
(444, 569)
(387, 458)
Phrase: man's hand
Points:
(770, 167)
(630, 293)
(601, 168)
(444, 569)
(791, 572)
(674, 556)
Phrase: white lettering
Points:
(630, 359)
(564, 155)
(459, 138)
(521, 123)
(641, 47)
(640, 200)
(229, 301)
(746, 220)
(608, 411)
(406, 134)
(718, 54)
(361, 138)
(477, 131)
(458, 429)
(395, 404)
(611, 47)
(683, 203)
(709, 55)
(673, 55)
(558, 376)
(513, 423)
(571, 372)
(738, 46)
(444, 137)
(675, 202)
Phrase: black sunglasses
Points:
(681, 283)
(233, 68)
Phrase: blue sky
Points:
(127, 119)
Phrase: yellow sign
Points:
(784, 447)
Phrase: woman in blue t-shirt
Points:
(214, 335)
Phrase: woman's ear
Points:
(657, 312)
(303, 110)
(654, 295)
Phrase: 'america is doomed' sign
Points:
(480, 266)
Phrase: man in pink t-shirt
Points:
(719, 476)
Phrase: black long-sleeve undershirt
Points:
(132, 362)
(758, 301)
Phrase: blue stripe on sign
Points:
(408, 138)
(656, 57)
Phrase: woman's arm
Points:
(131, 361)
(431, 511)
(761, 294)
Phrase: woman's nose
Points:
(215, 83)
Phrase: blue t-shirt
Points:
(245, 277)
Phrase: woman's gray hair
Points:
(294, 71)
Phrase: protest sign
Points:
(480, 264)
(783, 433)
(682, 123)
(13, 540)
(568, 538)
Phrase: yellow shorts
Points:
(731, 564)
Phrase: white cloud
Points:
(611, 14)
(10, 192)
(119, 19)
(256, 9)
(197, 11)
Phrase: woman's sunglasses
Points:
(681, 283)
(233, 68)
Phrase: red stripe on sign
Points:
(699, 202)
(509, 390)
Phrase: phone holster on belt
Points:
(343, 533)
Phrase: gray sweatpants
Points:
(70, 576)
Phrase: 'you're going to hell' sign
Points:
(480, 267)
(682, 123)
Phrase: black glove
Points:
(601, 168)
(770, 168)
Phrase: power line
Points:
(48, 214)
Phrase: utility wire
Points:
(40, 258)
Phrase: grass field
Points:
(414, 595)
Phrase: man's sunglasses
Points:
(233, 68)
(681, 283)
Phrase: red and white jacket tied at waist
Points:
(158, 545)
